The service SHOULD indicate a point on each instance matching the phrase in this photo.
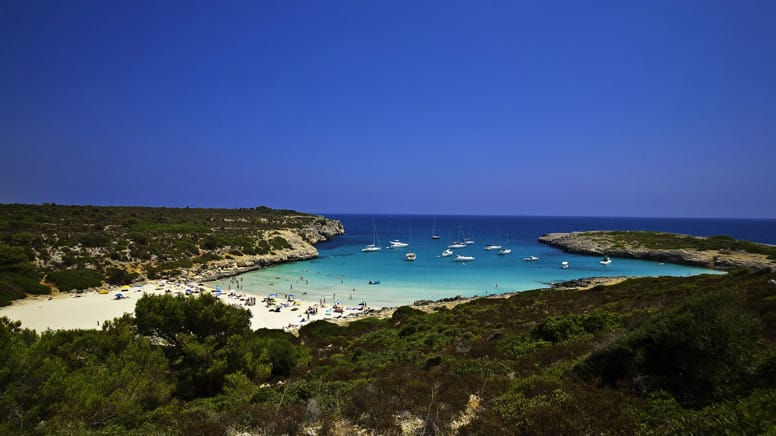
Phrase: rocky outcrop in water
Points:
(606, 243)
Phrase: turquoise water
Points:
(342, 272)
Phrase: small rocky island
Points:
(717, 252)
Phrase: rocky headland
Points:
(301, 246)
(52, 247)
(720, 253)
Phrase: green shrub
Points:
(69, 279)
(18, 275)
(279, 243)
(119, 276)
(562, 328)
(94, 239)
(210, 243)
(404, 313)
(699, 352)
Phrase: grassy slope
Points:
(522, 358)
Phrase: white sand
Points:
(90, 309)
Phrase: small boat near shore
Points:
(410, 257)
(564, 265)
(461, 258)
(504, 251)
(447, 252)
(531, 259)
(374, 282)
(491, 247)
(397, 244)
(606, 260)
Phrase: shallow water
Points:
(342, 272)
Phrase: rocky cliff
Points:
(300, 241)
(622, 244)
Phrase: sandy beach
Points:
(89, 309)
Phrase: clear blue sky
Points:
(621, 108)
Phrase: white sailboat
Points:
(461, 258)
(434, 234)
(375, 245)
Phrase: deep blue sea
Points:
(342, 272)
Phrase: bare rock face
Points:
(301, 246)
(597, 244)
(321, 230)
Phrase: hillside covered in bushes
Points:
(692, 355)
(79, 247)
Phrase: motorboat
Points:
(491, 247)
(397, 244)
(447, 252)
(435, 236)
(461, 258)
(504, 250)
(531, 259)
(410, 257)
(374, 282)
(606, 260)
(564, 265)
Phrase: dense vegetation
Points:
(76, 247)
(668, 241)
(691, 355)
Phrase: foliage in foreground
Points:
(658, 355)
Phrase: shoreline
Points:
(429, 306)
(89, 309)
(605, 242)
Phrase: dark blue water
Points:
(342, 271)
(525, 229)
